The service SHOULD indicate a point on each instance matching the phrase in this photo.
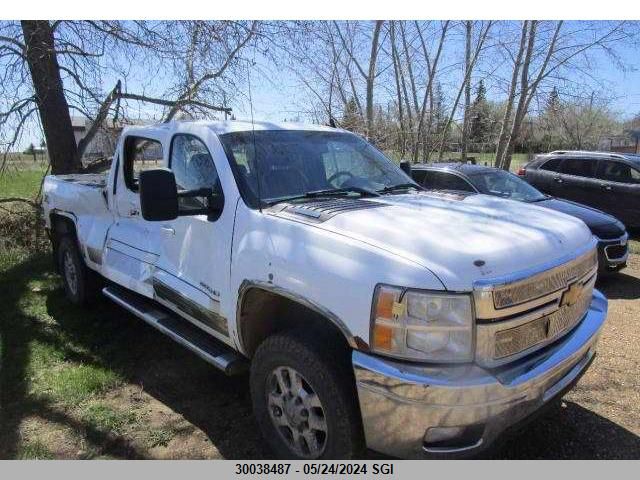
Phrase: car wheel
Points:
(80, 283)
(304, 400)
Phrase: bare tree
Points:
(56, 68)
(484, 32)
(368, 75)
(550, 48)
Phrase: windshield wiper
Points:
(400, 186)
(364, 192)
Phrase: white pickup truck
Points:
(369, 312)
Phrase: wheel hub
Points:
(297, 413)
(70, 272)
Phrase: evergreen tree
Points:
(31, 150)
(553, 102)
(480, 124)
(550, 122)
(439, 113)
(351, 119)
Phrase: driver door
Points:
(192, 270)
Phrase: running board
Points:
(201, 343)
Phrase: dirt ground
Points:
(170, 404)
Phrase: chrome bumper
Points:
(400, 402)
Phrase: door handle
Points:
(557, 179)
(606, 187)
(168, 230)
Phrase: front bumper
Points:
(613, 253)
(400, 402)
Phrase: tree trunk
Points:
(467, 90)
(371, 76)
(505, 161)
(52, 104)
(506, 119)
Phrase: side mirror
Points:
(158, 195)
(405, 166)
(216, 203)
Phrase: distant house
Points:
(629, 142)
(103, 144)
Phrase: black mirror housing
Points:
(405, 166)
(158, 195)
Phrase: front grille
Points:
(544, 329)
(542, 283)
(518, 318)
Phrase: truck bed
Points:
(81, 195)
(96, 180)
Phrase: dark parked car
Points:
(607, 181)
(611, 233)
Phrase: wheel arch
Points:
(61, 224)
(264, 309)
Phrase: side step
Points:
(202, 344)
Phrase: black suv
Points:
(607, 181)
(611, 233)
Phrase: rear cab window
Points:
(140, 154)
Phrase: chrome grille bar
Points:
(523, 313)
(502, 297)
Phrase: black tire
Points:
(81, 284)
(327, 373)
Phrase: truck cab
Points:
(368, 311)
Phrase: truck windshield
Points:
(276, 165)
(504, 184)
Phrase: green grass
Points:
(72, 384)
(105, 417)
(21, 183)
(35, 450)
(160, 437)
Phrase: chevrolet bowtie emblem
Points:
(571, 295)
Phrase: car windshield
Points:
(507, 185)
(276, 165)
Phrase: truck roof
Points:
(220, 127)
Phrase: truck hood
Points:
(463, 238)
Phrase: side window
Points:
(419, 176)
(446, 181)
(140, 154)
(618, 172)
(193, 167)
(552, 165)
(580, 167)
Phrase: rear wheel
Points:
(304, 400)
(80, 283)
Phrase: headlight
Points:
(420, 325)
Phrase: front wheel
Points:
(304, 401)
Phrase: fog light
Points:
(441, 434)
(453, 438)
